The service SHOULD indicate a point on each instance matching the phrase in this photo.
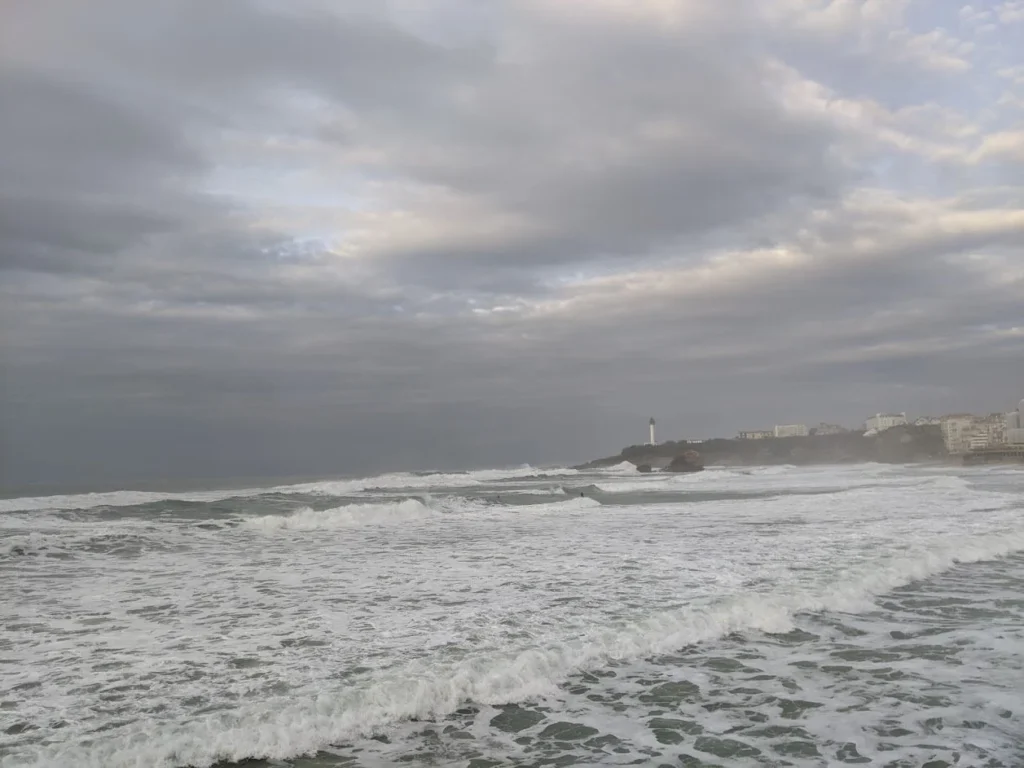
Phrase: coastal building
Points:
(963, 432)
(977, 442)
(883, 421)
(756, 434)
(651, 425)
(994, 427)
(927, 421)
(956, 431)
(791, 430)
(991, 439)
(1015, 425)
(830, 429)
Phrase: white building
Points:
(791, 430)
(756, 434)
(956, 432)
(976, 442)
(1015, 425)
(883, 421)
(926, 421)
(965, 432)
(830, 429)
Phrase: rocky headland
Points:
(899, 445)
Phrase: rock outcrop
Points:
(688, 461)
(899, 445)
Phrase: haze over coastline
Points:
(266, 239)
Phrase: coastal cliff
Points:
(899, 445)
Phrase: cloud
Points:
(1011, 12)
(304, 237)
(1005, 145)
(936, 50)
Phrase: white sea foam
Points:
(576, 504)
(325, 488)
(655, 483)
(531, 491)
(33, 543)
(326, 637)
(284, 729)
(402, 481)
(622, 468)
(399, 512)
(307, 519)
(115, 499)
(63, 538)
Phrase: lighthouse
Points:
(652, 432)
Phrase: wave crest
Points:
(351, 515)
(406, 511)
(324, 488)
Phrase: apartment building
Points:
(957, 430)
(830, 429)
(1015, 425)
(965, 432)
(883, 421)
(756, 434)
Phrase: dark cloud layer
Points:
(256, 238)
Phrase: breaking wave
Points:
(307, 519)
(281, 728)
(55, 544)
(114, 499)
(401, 481)
(622, 468)
(407, 511)
(324, 488)
(569, 505)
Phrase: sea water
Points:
(868, 615)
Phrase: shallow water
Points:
(865, 615)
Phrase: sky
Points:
(259, 237)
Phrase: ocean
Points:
(862, 615)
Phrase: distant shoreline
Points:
(899, 445)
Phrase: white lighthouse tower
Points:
(652, 432)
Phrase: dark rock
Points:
(667, 736)
(671, 693)
(688, 461)
(672, 724)
(726, 748)
(513, 719)
(568, 731)
(643, 468)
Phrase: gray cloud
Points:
(259, 238)
(82, 176)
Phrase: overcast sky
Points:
(318, 236)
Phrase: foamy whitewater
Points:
(745, 617)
